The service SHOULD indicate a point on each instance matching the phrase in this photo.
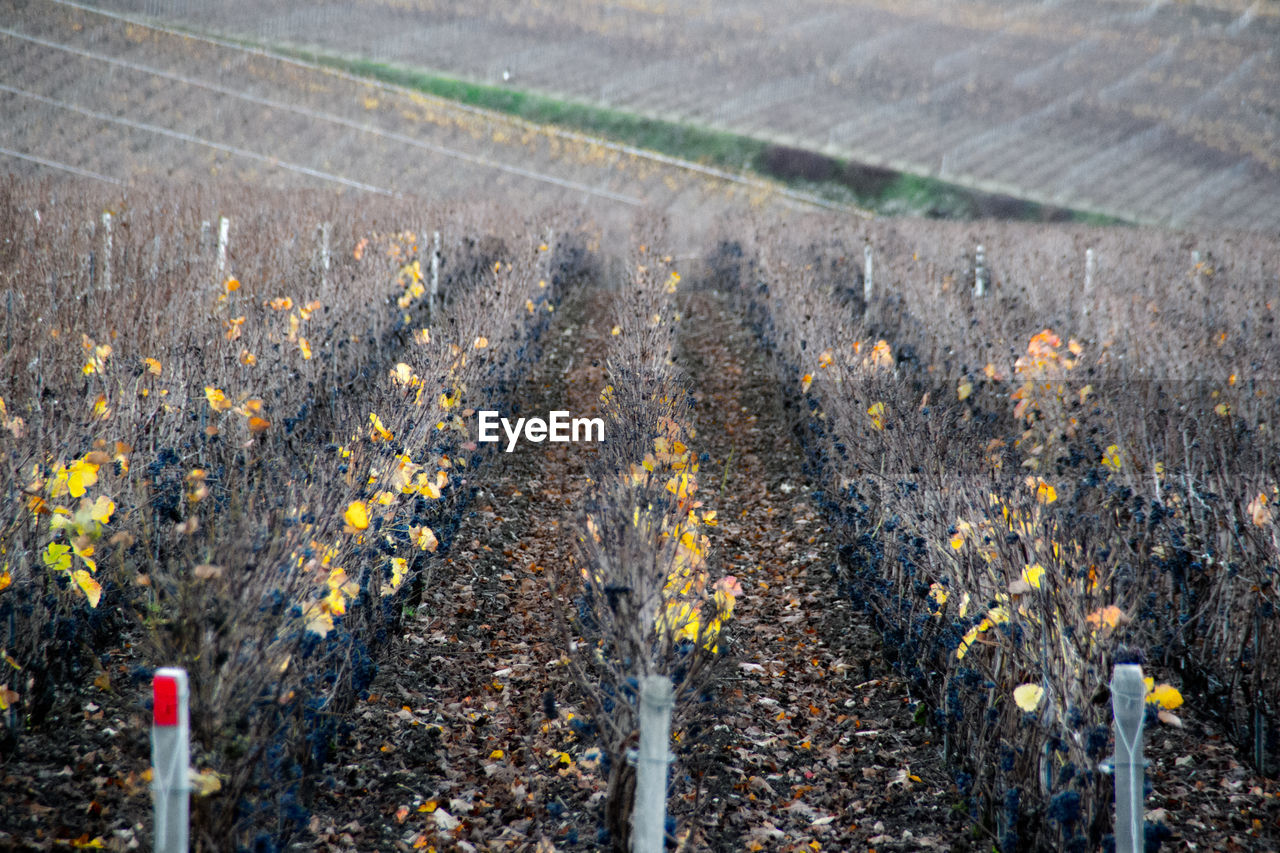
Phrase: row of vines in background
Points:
(1037, 485)
(241, 464)
(647, 602)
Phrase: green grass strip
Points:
(884, 191)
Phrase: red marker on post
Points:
(170, 757)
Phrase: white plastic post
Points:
(980, 272)
(170, 757)
(325, 229)
(1090, 267)
(106, 252)
(649, 816)
(547, 272)
(866, 275)
(224, 232)
(1128, 703)
(435, 274)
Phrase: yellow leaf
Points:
(399, 568)
(825, 358)
(91, 588)
(876, 413)
(806, 381)
(425, 539)
(497, 753)
(357, 515)
(1108, 617)
(1259, 512)
(234, 328)
(1166, 696)
(1111, 458)
(965, 389)
(615, 331)
(102, 509)
(319, 620)
(6, 579)
(305, 347)
(217, 400)
(426, 488)
(57, 557)
(86, 554)
(480, 342)
(247, 358)
(957, 541)
(1045, 493)
(81, 475)
(1028, 696)
(204, 783)
(377, 431)
(881, 354)
(1033, 574)
(402, 373)
(153, 366)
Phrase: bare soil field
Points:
(98, 96)
(1157, 112)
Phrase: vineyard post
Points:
(325, 228)
(980, 272)
(8, 346)
(435, 274)
(224, 231)
(170, 758)
(548, 272)
(867, 289)
(1128, 703)
(106, 252)
(153, 270)
(1259, 718)
(649, 815)
(1090, 268)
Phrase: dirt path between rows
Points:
(472, 738)
(820, 739)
